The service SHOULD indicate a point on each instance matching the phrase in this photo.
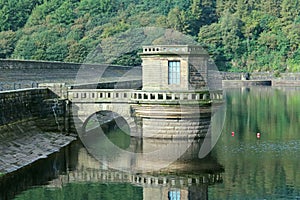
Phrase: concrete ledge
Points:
(245, 83)
(292, 83)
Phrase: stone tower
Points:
(174, 67)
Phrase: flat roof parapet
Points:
(173, 49)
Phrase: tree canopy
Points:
(240, 35)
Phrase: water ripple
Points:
(265, 147)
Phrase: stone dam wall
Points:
(26, 104)
(231, 79)
(261, 76)
(16, 74)
(31, 126)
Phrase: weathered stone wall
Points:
(175, 128)
(246, 83)
(131, 84)
(197, 72)
(16, 74)
(26, 74)
(31, 121)
(82, 111)
(261, 76)
(20, 105)
(231, 76)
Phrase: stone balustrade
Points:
(99, 95)
(140, 96)
(169, 96)
(173, 49)
(178, 181)
(96, 175)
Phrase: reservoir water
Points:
(264, 168)
(242, 165)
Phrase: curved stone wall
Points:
(21, 104)
(15, 74)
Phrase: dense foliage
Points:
(243, 35)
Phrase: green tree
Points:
(14, 13)
(34, 44)
(271, 7)
(7, 43)
(65, 14)
(232, 37)
(240, 35)
(210, 37)
(57, 51)
(97, 7)
(290, 9)
(111, 29)
(208, 12)
(177, 20)
(40, 12)
(128, 59)
(25, 48)
(77, 52)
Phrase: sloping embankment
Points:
(23, 143)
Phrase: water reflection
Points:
(162, 138)
(162, 163)
(153, 169)
(38, 173)
(83, 177)
(183, 176)
(265, 168)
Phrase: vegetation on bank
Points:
(253, 35)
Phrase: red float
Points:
(257, 135)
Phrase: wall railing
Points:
(140, 96)
(18, 85)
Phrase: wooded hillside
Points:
(241, 35)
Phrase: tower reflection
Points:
(164, 161)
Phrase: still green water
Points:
(265, 168)
(242, 166)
